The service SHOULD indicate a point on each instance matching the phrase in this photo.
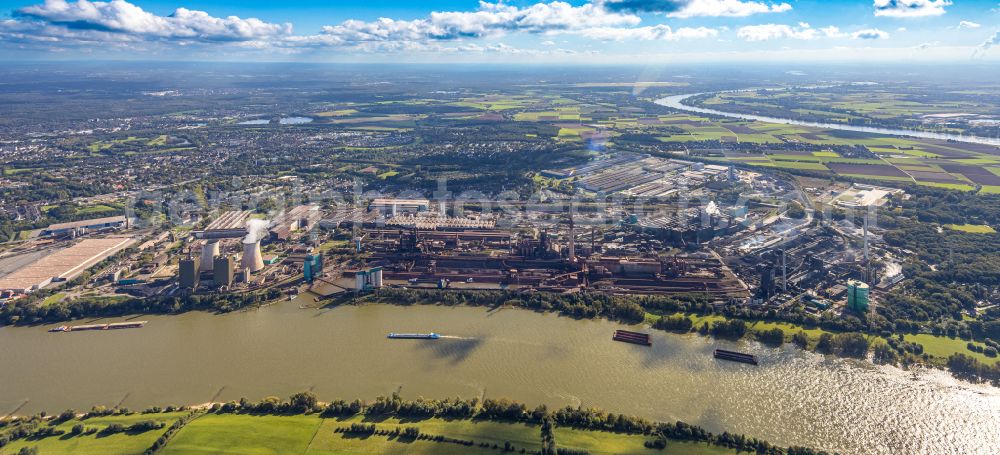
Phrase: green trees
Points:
(795, 210)
(66, 415)
(27, 312)
(302, 402)
(773, 336)
(411, 433)
(850, 344)
(825, 344)
(884, 354)
(111, 429)
(580, 305)
(949, 265)
(678, 323)
(800, 339)
(362, 428)
(548, 437)
(733, 328)
(969, 367)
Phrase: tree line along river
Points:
(792, 398)
(677, 102)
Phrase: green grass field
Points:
(95, 444)
(95, 210)
(520, 435)
(972, 228)
(948, 186)
(943, 347)
(54, 298)
(313, 435)
(602, 443)
(16, 171)
(245, 434)
(336, 113)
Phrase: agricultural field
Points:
(865, 104)
(587, 113)
(313, 435)
(97, 443)
(244, 434)
(942, 164)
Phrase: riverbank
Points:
(793, 397)
(912, 349)
(389, 425)
(901, 350)
(677, 102)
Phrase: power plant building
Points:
(857, 295)
(224, 270)
(62, 265)
(391, 206)
(312, 266)
(80, 227)
(298, 218)
(366, 280)
(189, 273)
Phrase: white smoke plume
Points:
(256, 230)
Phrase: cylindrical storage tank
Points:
(209, 251)
(252, 260)
(377, 278)
(359, 280)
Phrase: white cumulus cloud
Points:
(910, 8)
(989, 43)
(488, 19)
(650, 33)
(968, 24)
(693, 8)
(871, 33)
(803, 31)
(122, 17)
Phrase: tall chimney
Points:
(784, 272)
(252, 260)
(572, 238)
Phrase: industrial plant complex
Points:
(685, 232)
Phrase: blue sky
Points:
(578, 31)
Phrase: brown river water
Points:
(792, 398)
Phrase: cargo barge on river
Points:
(414, 336)
(735, 356)
(109, 326)
(627, 336)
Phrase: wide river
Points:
(793, 397)
(676, 102)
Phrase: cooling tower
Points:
(209, 251)
(252, 259)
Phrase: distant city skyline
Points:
(587, 32)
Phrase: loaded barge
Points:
(626, 336)
(735, 356)
(111, 326)
(414, 336)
